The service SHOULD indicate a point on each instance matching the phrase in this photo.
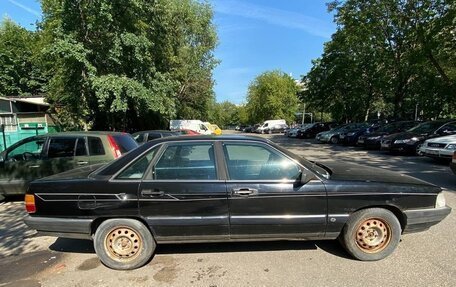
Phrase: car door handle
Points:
(152, 192)
(81, 162)
(244, 191)
(34, 166)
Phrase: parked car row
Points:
(435, 139)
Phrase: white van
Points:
(194, 125)
(269, 123)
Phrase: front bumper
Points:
(422, 219)
(437, 153)
(403, 147)
(61, 227)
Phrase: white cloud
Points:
(26, 8)
(274, 16)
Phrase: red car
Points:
(188, 132)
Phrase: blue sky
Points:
(254, 36)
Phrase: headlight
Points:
(440, 201)
(374, 138)
(350, 134)
(451, 147)
(406, 141)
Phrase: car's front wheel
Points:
(123, 244)
(334, 140)
(371, 234)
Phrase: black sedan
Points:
(411, 140)
(312, 130)
(229, 188)
(373, 140)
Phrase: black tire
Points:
(378, 239)
(334, 140)
(136, 237)
(269, 131)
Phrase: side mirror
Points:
(306, 176)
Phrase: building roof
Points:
(29, 100)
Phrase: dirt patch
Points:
(168, 271)
(89, 264)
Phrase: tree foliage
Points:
(118, 64)
(21, 73)
(272, 95)
(387, 56)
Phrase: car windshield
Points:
(427, 127)
(389, 128)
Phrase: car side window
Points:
(448, 129)
(153, 136)
(255, 162)
(81, 149)
(139, 167)
(26, 151)
(61, 147)
(95, 146)
(187, 162)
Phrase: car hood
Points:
(376, 134)
(445, 139)
(77, 173)
(356, 172)
(406, 135)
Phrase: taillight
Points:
(454, 156)
(30, 203)
(114, 147)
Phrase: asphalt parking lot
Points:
(422, 259)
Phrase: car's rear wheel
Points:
(123, 244)
(371, 234)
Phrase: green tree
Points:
(224, 114)
(272, 95)
(386, 56)
(21, 72)
(119, 64)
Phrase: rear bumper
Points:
(61, 227)
(453, 167)
(423, 219)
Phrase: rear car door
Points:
(64, 153)
(23, 162)
(183, 196)
(266, 197)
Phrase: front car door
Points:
(23, 162)
(266, 197)
(183, 197)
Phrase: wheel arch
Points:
(394, 209)
(98, 221)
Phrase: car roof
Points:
(154, 131)
(82, 133)
(208, 137)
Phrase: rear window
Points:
(125, 142)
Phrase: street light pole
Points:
(303, 114)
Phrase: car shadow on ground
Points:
(66, 245)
